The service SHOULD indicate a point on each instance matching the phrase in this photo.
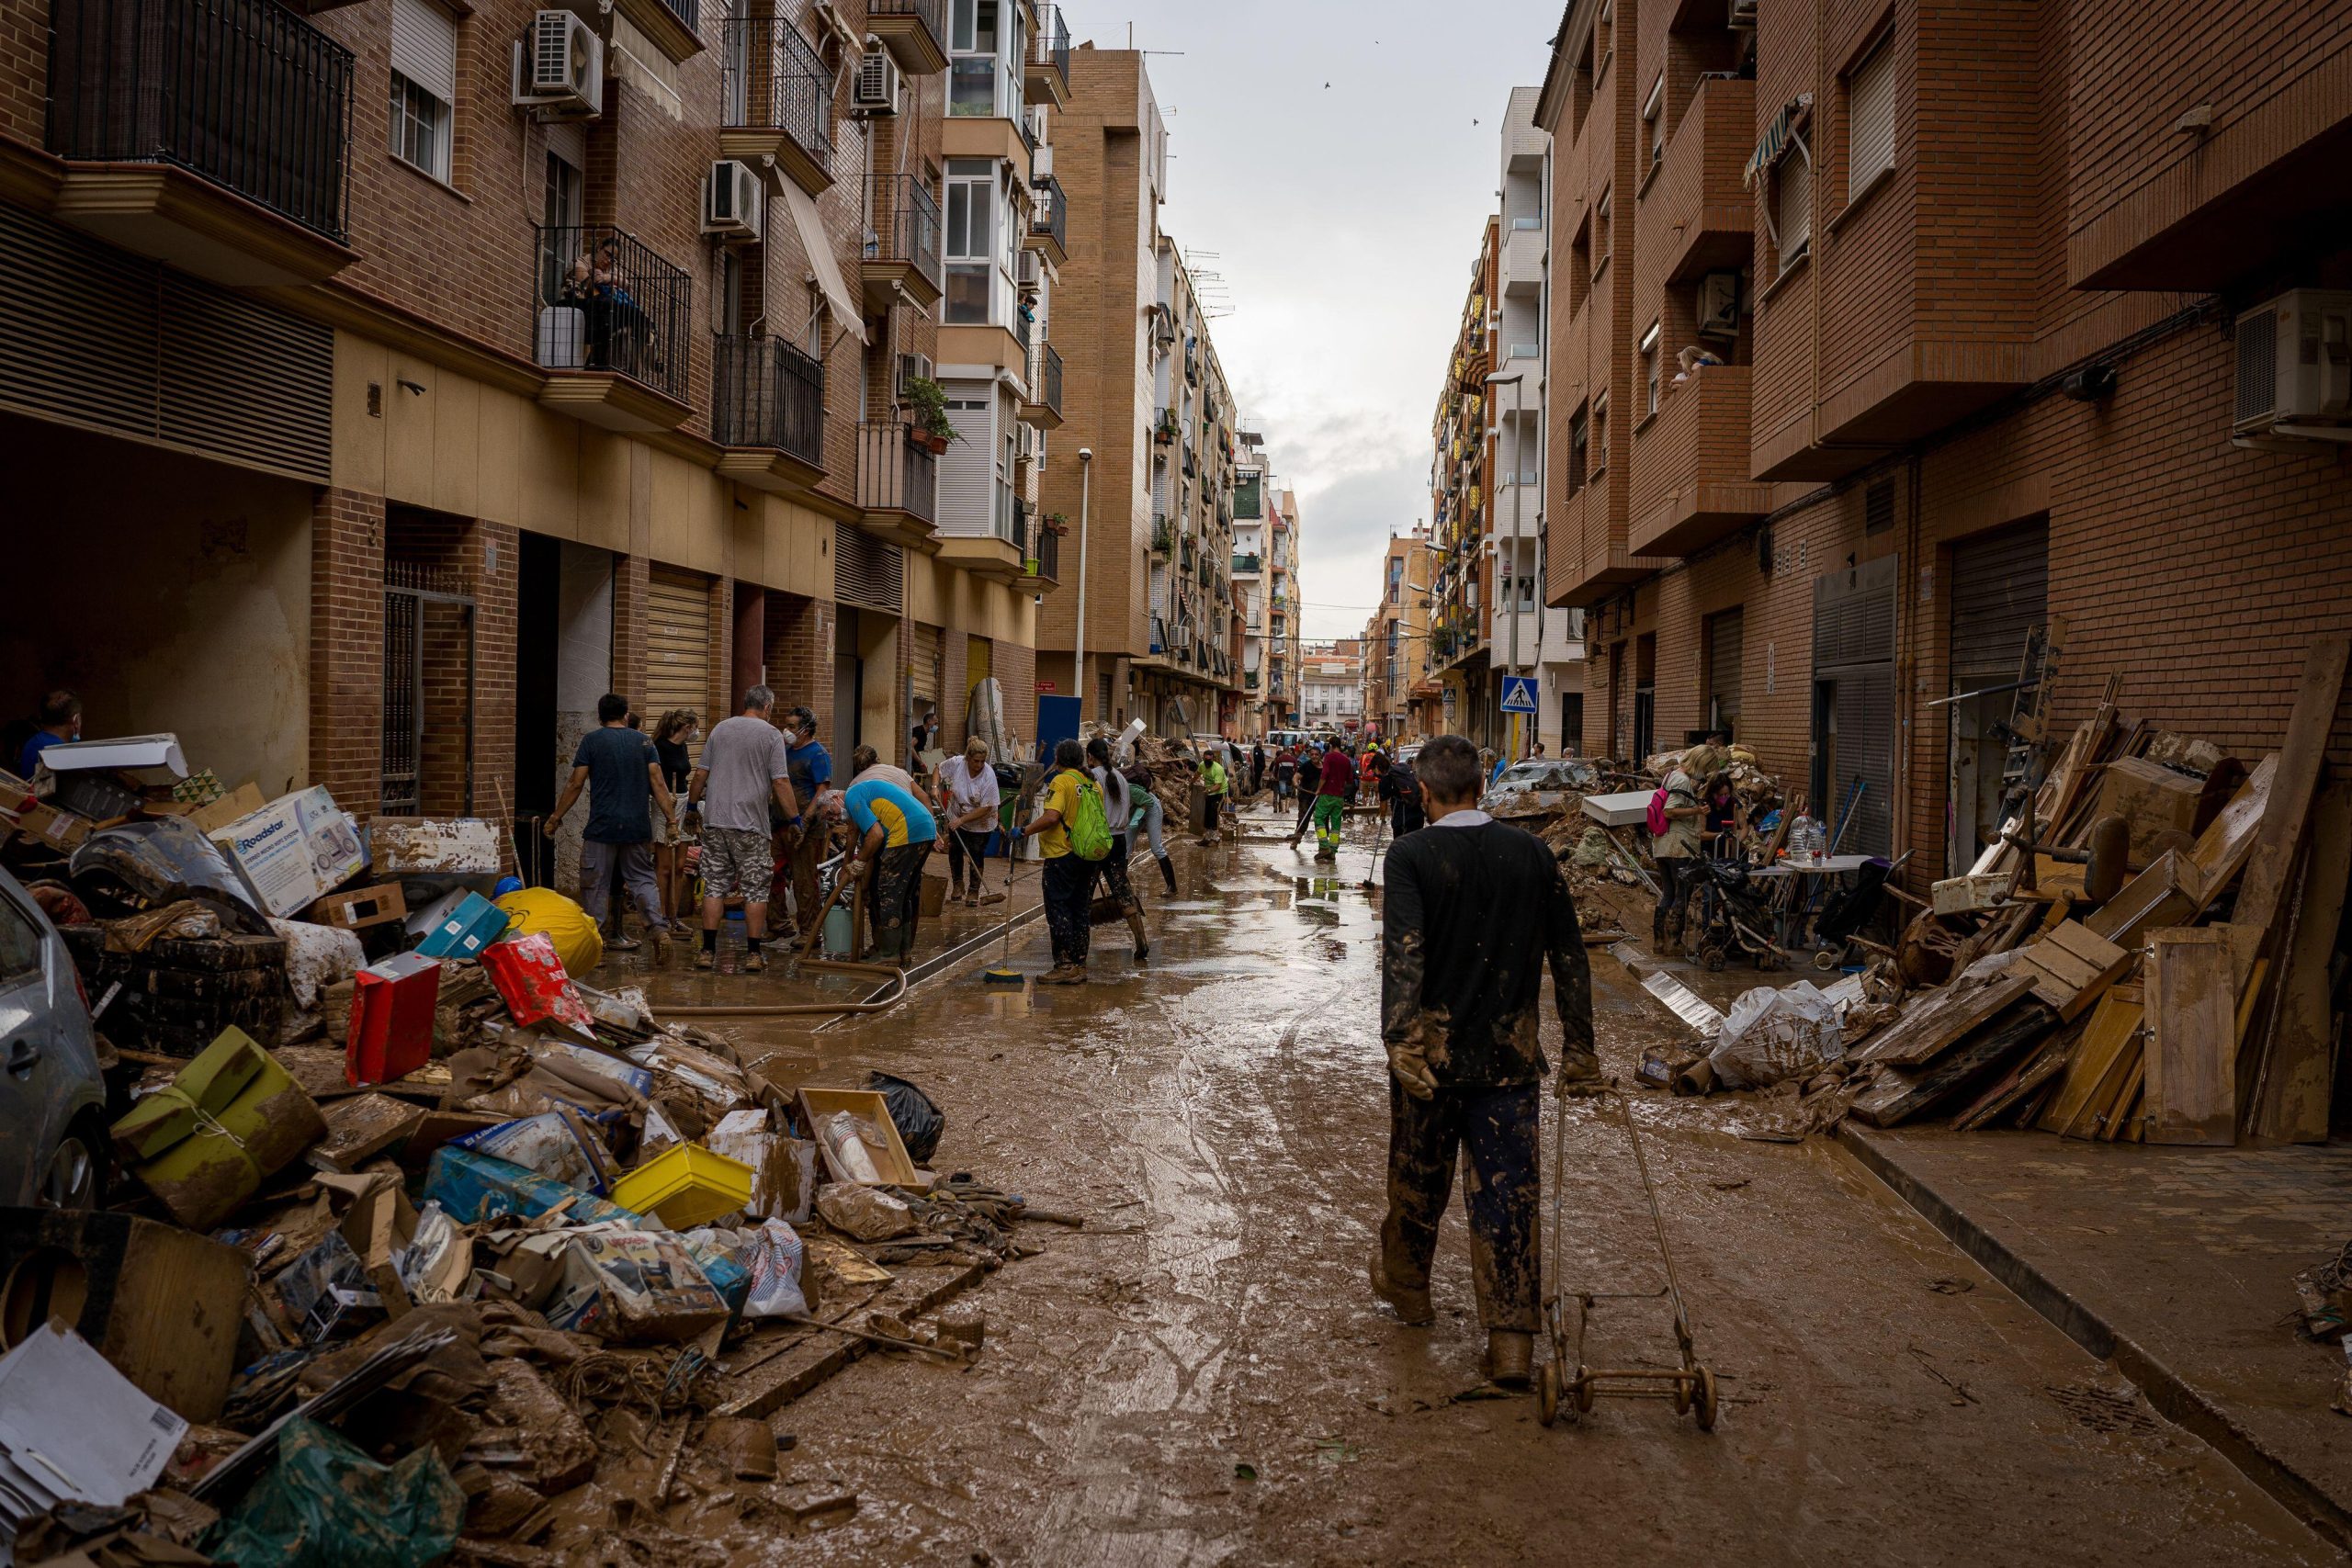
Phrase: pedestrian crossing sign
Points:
(1518, 693)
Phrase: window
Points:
(1600, 435)
(970, 240)
(974, 41)
(1792, 208)
(1870, 119)
(560, 215)
(425, 86)
(730, 292)
(1601, 232)
(20, 942)
(1580, 451)
(1580, 268)
(1649, 370)
(1654, 127)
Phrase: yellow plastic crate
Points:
(686, 1185)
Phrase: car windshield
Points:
(1548, 773)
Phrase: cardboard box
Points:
(215, 815)
(293, 850)
(150, 759)
(892, 1161)
(634, 1286)
(391, 1017)
(1962, 895)
(172, 1139)
(60, 830)
(415, 846)
(531, 981)
(472, 925)
(354, 909)
(2151, 798)
(15, 794)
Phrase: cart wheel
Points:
(1584, 1391)
(1706, 1401)
(1681, 1395)
(1828, 959)
(1547, 1394)
(1713, 960)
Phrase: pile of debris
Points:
(421, 1244)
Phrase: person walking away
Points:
(1285, 770)
(812, 769)
(1257, 766)
(745, 763)
(895, 835)
(970, 797)
(61, 719)
(1310, 773)
(1068, 877)
(1400, 790)
(1140, 791)
(1118, 809)
(618, 768)
(672, 734)
(1338, 783)
(1676, 851)
(1214, 781)
(1460, 993)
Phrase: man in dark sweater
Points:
(1475, 909)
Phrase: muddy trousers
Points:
(1070, 906)
(1674, 882)
(1331, 812)
(1497, 1130)
(894, 901)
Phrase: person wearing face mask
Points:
(811, 767)
(61, 719)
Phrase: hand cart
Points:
(1559, 1392)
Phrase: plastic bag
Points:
(428, 1255)
(845, 1136)
(578, 943)
(771, 1255)
(324, 1502)
(868, 1214)
(919, 1121)
(1770, 1036)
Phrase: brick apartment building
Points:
(1265, 590)
(1978, 279)
(1330, 683)
(367, 449)
(1461, 484)
(1161, 639)
(1401, 698)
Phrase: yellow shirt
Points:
(1061, 795)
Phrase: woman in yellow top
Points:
(1216, 781)
(1069, 878)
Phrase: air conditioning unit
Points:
(912, 369)
(1719, 304)
(559, 66)
(2295, 367)
(730, 200)
(876, 91)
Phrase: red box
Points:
(531, 982)
(392, 1018)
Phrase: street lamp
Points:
(1516, 382)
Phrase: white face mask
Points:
(790, 739)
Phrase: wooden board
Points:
(2072, 966)
(2128, 1118)
(2035, 1069)
(2166, 894)
(2283, 823)
(1901, 1093)
(2222, 846)
(2296, 1076)
(1941, 1020)
(2109, 1036)
(2191, 1052)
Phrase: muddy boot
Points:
(1143, 941)
(1511, 1357)
(1167, 875)
(1412, 1305)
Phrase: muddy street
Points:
(1202, 1374)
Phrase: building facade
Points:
(1331, 686)
(1397, 680)
(522, 354)
(1984, 310)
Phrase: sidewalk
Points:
(2177, 1264)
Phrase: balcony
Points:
(1163, 534)
(1690, 486)
(1045, 562)
(1049, 220)
(1043, 406)
(610, 325)
(897, 484)
(1046, 71)
(675, 27)
(998, 554)
(1522, 258)
(915, 31)
(901, 243)
(1247, 566)
(768, 410)
(1706, 216)
(223, 128)
(775, 100)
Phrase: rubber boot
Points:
(1167, 875)
(1143, 941)
(1511, 1357)
(1412, 1305)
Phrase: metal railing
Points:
(765, 392)
(1247, 563)
(1163, 533)
(1046, 377)
(770, 79)
(902, 224)
(1047, 555)
(1051, 45)
(931, 14)
(606, 303)
(1022, 522)
(895, 473)
(1025, 330)
(244, 94)
(689, 12)
(1050, 216)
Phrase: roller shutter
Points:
(2000, 592)
(1853, 674)
(868, 573)
(923, 665)
(1724, 638)
(678, 644)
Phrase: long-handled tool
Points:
(1372, 877)
(1002, 973)
(1691, 1386)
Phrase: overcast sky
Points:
(1345, 220)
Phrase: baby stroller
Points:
(1842, 919)
(1733, 917)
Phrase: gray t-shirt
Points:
(744, 756)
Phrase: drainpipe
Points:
(1085, 513)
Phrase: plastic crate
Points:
(686, 1185)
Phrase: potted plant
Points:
(927, 400)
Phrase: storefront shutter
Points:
(1724, 638)
(1853, 669)
(678, 648)
(2000, 592)
(868, 573)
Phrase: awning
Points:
(847, 312)
(1776, 139)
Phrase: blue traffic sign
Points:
(1518, 693)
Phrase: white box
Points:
(1629, 810)
(417, 846)
(153, 759)
(293, 851)
(1966, 895)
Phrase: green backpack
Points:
(1090, 829)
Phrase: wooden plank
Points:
(2075, 966)
(767, 1386)
(2073, 937)
(2129, 1113)
(1902, 1093)
(2297, 1074)
(2284, 821)
(2061, 966)
(2166, 894)
(2035, 1069)
(2191, 1053)
(1944, 1019)
(2107, 1037)
(2221, 849)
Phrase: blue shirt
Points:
(620, 785)
(902, 818)
(41, 741)
(811, 766)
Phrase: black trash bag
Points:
(918, 1120)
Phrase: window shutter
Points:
(424, 47)
(1870, 131)
(1796, 205)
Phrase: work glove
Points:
(1412, 1066)
(1579, 1076)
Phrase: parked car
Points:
(52, 1100)
(1546, 775)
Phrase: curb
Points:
(2166, 1391)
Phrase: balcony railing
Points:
(1163, 534)
(894, 474)
(689, 12)
(902, 224)
(1046, 556)
(1246, 563)
(1025, 330)
(931, 14)
(606, 303)
(1050, 216)
(1046, 377)
(244, 94)
(770, 79)
(765, 392)
(1051, 45)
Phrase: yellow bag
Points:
(577, 941)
